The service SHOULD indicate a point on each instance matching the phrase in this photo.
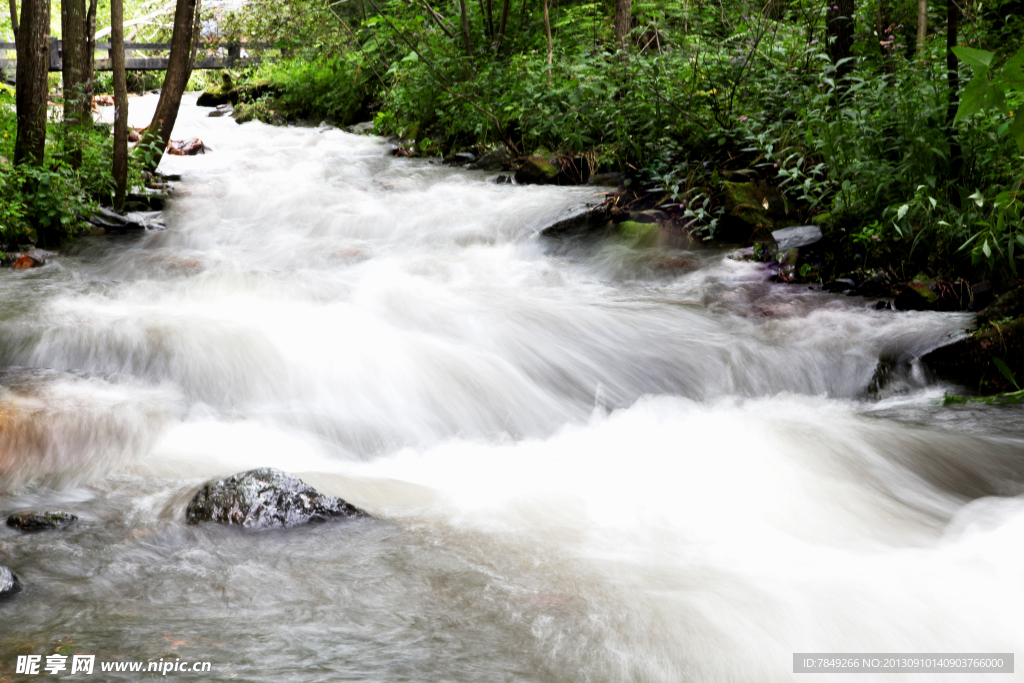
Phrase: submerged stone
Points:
(32, 521)
(639, 234)
(265, 498)
(9, 582)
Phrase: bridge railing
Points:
(210, 56)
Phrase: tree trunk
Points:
(465, 28)
(502, 24)
(551, 45)
(490, 20)
(922, 25)
(623, 21)
(953, 79)
(117, 57)
(73, 30)
(31, 78)
(14, 18)
(179, 68)
(839, 23)
(886, 40)
(90, 59)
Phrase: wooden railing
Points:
(231, 57)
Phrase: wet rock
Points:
(265, 498)
(583, 220)
(32, 521)
(221, 110)
(843, 284)
(364, 128)
(879, 284)
(186, 148)
(794, 238)
(606, 179)
(504, 179)
(9, 582)
(970, 361)
(496, 160)
(461, 159)
(1009, 305)
(918, 295)
(882, 306)
(112, 221)
(536, 170)
(33, 258)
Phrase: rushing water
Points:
(586, 464)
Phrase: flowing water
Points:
(586, 462)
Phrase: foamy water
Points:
(587, 463)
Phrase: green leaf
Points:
(1006, 372)
(1017, 129)
(974, 97)
(903, 211)
(973, 57)
(987, 250)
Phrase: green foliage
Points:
(321, 86)
(51, 200)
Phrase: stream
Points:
(585, 462)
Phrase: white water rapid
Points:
(586, 463)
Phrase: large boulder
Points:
(265, 498)
(536, 170)
(33, 521)
(9, 582)
(970, 362)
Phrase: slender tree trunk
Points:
(175, 79)
(465, 28)
(490, 20)
(922, 25)
(90, 60)
(840, 27)
(953, 78)
(502, 24)
(623, 23)
(551, 45)
(522, 16)
(120, 102)
(31, 79)
(14, 18)
(73, 30)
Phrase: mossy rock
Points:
(536, 170)
(638, 234)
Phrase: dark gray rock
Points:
(32, 521)
(504, 179)
(9, 582)
(1009, 305)
(265, 498)
(461, 159)
(584, 219)
(221, 110)
(496, 160)
(794, 238)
